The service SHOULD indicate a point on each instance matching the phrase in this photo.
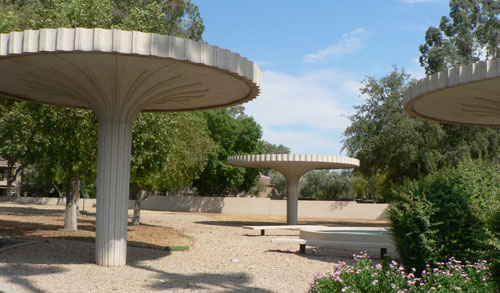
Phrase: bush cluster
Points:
(453, 212)
(364, 276)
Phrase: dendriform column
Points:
(292, 200)
(113, 176)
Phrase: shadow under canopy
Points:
(118, 74)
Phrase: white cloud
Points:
(306, 112)
(349, 43)
(303, 100)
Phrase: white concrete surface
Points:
(468, 95)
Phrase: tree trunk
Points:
(8, 188)
(70, 217)
(19, 182)
(13, 175)
(136, 219)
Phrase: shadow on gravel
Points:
(235, 282)
(62, 252)
(9, 210)
(19, 273)
(47, 256)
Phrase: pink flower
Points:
(374, 282)
(458, 288)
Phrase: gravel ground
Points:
(224, 258)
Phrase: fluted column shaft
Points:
(113, 177)
(292, 200)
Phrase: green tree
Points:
(60, 142)
(269, 148)
(20, 142)
(326, 184)
(469, 34)
(386, 139)
(390, 142)
(179, 18)
(69, 158)
(168, 151)
(231, 136)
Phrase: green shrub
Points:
(364, 276)
(451, 213)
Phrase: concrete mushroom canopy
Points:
(293, 167)
(118, 74)
(468, 95)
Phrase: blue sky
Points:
(314, 56)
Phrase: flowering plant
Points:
(365, 276)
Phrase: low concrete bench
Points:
(278, 227)
(329, 243)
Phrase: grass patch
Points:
(179, 248)
(30, 222)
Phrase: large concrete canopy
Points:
(468, 95)
(118, 74)
(293, 167)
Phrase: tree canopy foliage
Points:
(389, 142)
(232, 135)
(179, 18)
(168, 150)
(471, 33)
(325, 184)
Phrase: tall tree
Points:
(168, 151)
(232, 136)
(471, 33)
(387, 140)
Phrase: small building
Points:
(16, 185)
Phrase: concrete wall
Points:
(54, 201)
(238, 205)
(265, 206)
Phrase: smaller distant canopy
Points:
(290, 164)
